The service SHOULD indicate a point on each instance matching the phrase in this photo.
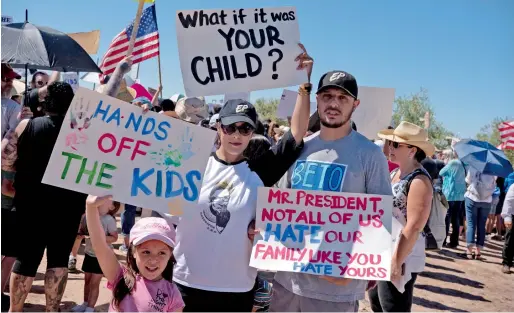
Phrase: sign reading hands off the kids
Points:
(323, 233)
(237, 50)
(109, 147)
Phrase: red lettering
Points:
(374, 200)
(362, 222)
(274, 196)
(334, 217)
(382, 272)
(362, 259)
(371, 272)
(279, 215)
(267, 215)
(347, 217)
(330, 236)
(258, 249)
(362, 204)
(342, 270)
(285, 197)
(101, 140)
(377, 222)
(319, 201)
(372, 258)
(328, 201)
(357, 237)
(351, 203)
(136, 149)
(302, 217)
(299, 195)
(337, 257)
(290, 213)
(280, 253)
(309, 200)
(123, 145)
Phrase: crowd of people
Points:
(199, 261)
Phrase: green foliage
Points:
(491, 134)
(267, 109)
(413, 108)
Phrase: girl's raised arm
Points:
(106, 257)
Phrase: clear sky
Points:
(462, 51)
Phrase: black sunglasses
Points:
(245, 129)
(396, 145)
(40, 83)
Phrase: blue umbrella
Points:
(484, 157)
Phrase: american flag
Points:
(146, 45)
(506, 130)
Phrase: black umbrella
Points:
(25, 45)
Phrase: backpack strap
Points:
(411, 176)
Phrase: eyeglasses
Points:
(396, 145)
(244, 129)
(41, 83)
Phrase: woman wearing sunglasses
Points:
(412, 199)
(213, 236)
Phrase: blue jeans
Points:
(476, 217)
(128, 219)
(453, 215)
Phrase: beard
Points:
(337, 124)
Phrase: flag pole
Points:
(136, 27)
(159, 55)
(97, 61)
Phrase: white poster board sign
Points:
(287, 103)
(234, 50)
(7, 19)
(323, 233)
(71, 78)
(237, 95)
(375, 110)
(109, 147)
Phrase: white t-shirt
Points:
(481, 186)
(10, 110)
(212, 246)
(213, 249)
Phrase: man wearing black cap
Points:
(336, 159)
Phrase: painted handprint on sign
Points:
(80, 120)
(173, 157)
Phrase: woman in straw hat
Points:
(412, 199)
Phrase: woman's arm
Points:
(445, 169)
(43, 91)
(112, 238)
(155, 99)
(113, 85)
(419, 202)
(106, 257)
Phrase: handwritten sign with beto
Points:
(323, 233)
(235, 50)
(107, 146)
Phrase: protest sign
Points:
(375, 110)
(235, 50)
(71, 78)
(323, 233)
(237, 95)
(6, 19)
(287, 104)
(109, 147)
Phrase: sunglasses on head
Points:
(245, 129)
(396, 145)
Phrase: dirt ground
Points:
(449, 283)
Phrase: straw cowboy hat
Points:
(409, 134)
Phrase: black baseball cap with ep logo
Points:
(341, 80)
(237, 110)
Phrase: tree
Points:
(413, 109)
(491, 134)
(267, 109)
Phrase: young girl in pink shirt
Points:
(145, 283)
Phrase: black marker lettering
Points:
(251, 72)
(194, 64)
(262, 38)
(273, 34)
(234, 68)
(216, 69)
(188, 21)
(227, 37)
(262, 14)
(239, 44)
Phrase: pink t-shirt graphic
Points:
(149, 296)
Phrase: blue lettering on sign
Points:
(315, 175)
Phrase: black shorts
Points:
(9, 242)
(91, 265)
(43, 225)
(197, 300)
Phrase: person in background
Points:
(500, 184)
(491, 219)
(271, 132)
(508, 247)
(38, 91)
(365, 171)
(478, 199)
(167, 105)
(213, 120)
(454, 188)
(41, 208)
(216, 109)
(17, 98)
(10, 108)
(91, 266)
(412, 199)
